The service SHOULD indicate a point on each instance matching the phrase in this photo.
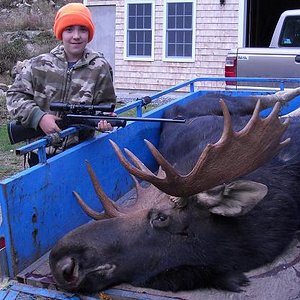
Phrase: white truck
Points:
(279, 61)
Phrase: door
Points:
(104, 18)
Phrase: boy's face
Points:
(74, 39)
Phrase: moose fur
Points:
(208, 239)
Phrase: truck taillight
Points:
(230, 69)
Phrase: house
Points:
(155, 44)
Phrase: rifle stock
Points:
(18, 133)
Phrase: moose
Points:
(224, 201)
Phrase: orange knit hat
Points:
(73, 14)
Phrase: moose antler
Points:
(110, 207)
(234, 155)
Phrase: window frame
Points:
(165, 19)
(139, 57)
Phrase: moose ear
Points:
(239, 197)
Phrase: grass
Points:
(4, 140)
(10, 162)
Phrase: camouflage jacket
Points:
(47, 78)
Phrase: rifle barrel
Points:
(79, 117)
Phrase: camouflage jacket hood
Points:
(47, 78)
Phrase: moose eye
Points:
(159, 219)
(162, 217)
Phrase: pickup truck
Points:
(37, 208)
(281, 60)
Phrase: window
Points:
(290, 36)
(179, 31)
(139, 37)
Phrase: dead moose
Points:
(225, 201)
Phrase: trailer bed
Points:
(35, 216)
(277, 281)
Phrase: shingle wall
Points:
(216, 33)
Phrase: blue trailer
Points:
(38, 208)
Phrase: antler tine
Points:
(226, 134)
(142, 172)
(166, 166)
(271, 120)
(274, 111)
(138, 187)
(137, 162)
(111, 208)
(227, 130)
(90, 212)
(284, 124)
(255, 118)
(234, 155)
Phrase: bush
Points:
(5, 4)
(43, 42)
(40, 17)
(16, 43)
(11, 52)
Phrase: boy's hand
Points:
(48, 124)
(103, 125)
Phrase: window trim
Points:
(179, 59)
(139, 58)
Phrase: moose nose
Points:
(69, 269)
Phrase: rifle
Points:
(81, 115)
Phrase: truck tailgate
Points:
(266, 63)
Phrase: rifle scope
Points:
(77, 108)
